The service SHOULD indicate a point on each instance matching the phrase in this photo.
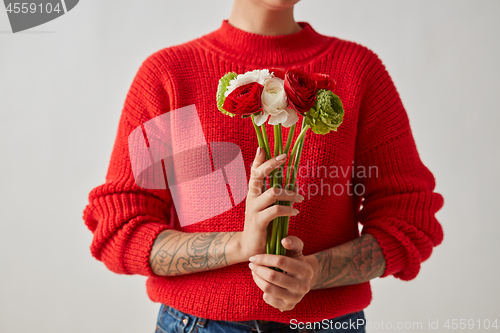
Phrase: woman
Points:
(213, 276)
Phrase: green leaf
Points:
(221, 90)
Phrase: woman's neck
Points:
(252, 17)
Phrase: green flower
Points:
(221, 89)
(326, 114)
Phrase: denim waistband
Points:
(271, 326)
(190, 322)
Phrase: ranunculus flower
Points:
(278, 72)
(221, 91)
(286, 117)
(245, 100)
(258, 75)
(300, 88)
(327, 113)
(274, 104)
(323, 81)
(291, 119)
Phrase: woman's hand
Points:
(283, 290)
(259, 211)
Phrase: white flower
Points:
(293, 117)
(259, 76)
(273, 96)
(275, 105)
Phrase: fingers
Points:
(256, 182)
(269, 288)
(274, 295)
(277, 303)
(263, 218)
(274, 194)
(292, 266)
(269, 214)
(261, 169)
(275, 278)
(294, 246)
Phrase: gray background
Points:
(62, 87)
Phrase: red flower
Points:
(323, 81)
(244, 100)
(300, 88)
(278, 72)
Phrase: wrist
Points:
(311, 259)
(235, 250)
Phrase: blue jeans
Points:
(171, 320)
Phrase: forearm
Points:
(179, 253)
(357, 261)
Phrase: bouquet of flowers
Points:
(279, 97)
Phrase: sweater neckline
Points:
(251, 48)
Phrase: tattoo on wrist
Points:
(360, 261)
(182, 253)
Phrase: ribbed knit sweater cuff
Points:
(133, 251)
(394, 252)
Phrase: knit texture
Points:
(396, 204)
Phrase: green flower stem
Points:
(279, 237)
(285, 219)
(268, 153)
(281, 220)
(289, 139)
(278, 150)
(290, 184)
(271, 246)
(272, 242)
(280, 175)
(276, 140)
(295, 146)
(259, 134)
(297, 151)
(275, 177)
(266, 141)
(274, 223)
(280, 137)
(262, 144)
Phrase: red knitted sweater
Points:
(396, 204)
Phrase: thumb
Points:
(294, 246)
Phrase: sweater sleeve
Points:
(124, 218)
(399, 202)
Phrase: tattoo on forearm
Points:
(183, 253)
(360, 261)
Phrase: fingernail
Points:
(289, 241)
(295, 211)
(280, 157)
(251, 259)
(250, 265)
(301, 198)
(258, 151)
